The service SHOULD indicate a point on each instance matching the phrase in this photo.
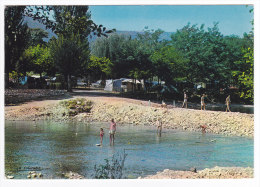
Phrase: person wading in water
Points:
(112, 131)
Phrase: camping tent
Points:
(114, 85)
(120, 85)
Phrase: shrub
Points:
(76, 106)
(111, 169)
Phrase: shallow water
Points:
(53, 148)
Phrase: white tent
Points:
(114, 85)
(109, 85)
(117, 84)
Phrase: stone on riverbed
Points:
(72, 175)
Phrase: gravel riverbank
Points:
(212, 173)
(138, 112)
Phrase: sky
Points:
(233, 19)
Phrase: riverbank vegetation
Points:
(76, 106)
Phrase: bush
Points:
(76, 106)
(112, 169)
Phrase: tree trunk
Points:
(7, 79)
(133, 85)
(69, 84)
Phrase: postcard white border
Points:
(162, 182)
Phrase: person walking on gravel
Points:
(185, 101)
(228, 101)
(203, 101)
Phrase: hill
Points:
(35, 24)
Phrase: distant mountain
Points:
(35, 24)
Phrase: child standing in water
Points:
(101, 136)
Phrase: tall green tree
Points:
(38, 59)
(16, 38)
(244, 72)
(119, 49)
(207, 53)
(70, 55)
(170, 64)
(245, 76)
(99, 67)
(67, 19)
(37, 36)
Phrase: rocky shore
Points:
(212, 173)
(137, 112)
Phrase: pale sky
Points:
(233, 19)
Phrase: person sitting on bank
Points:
(112, 131)
(203, 102)
(228, 101)
(185, 102)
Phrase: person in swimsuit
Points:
(101, 136)
(203, 128)
(159, 127)
(228, 101)
(185, 102)
(112, 131)
(203, 101)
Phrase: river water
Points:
(53, 148)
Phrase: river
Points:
(53, 148)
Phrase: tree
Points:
(170, 65)
(70, 55)
(244, 73)
(245, 76)
(16, 38)
(66, 20)
(37, 36)
(38, 59)
(207, 53)
(119, 49)
(99, 67)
